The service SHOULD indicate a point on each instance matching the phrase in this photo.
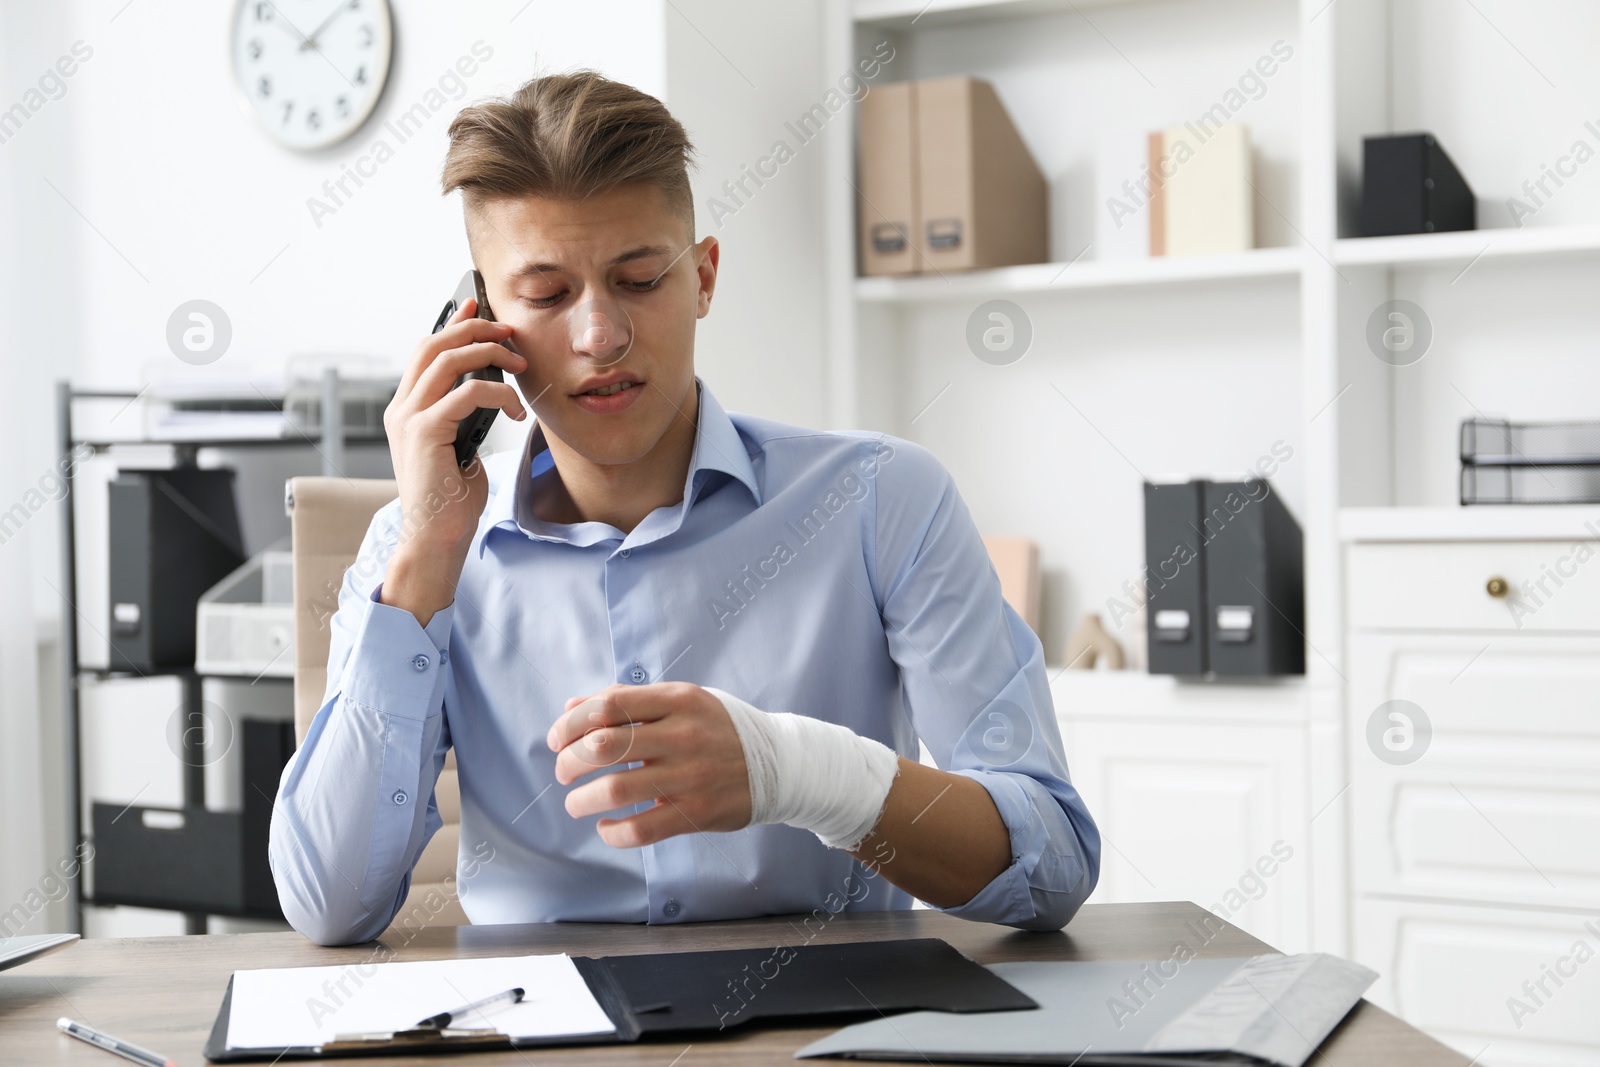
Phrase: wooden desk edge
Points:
(164, 992)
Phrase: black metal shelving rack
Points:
(75, 674)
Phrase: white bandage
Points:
(816, 775)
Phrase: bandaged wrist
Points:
(812, 774)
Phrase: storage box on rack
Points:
(362, 402)
(245, 623)
(173, 534)
(192, 858)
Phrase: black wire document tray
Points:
(1506, 462)
(1530, 444)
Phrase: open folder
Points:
(365, 1007)
(1178, 1011)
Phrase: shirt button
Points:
(638, 676)
(625, 553)
(671, 908)
(420, 662)
(400, 796)
(444, 656)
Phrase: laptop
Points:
(15, 950)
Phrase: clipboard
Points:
(686, 992)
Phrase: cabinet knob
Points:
(1498, 587)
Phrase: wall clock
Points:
(311, 71)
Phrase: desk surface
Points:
(163, 992)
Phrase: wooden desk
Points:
(163, 992)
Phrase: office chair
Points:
(328, 518)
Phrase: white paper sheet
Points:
(280, 1007)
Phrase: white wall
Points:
(163, 192)
(760, 349)
(202, 202)
(34, 343)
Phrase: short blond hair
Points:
(567, 137)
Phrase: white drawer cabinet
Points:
(1548, 586)
(1200, 793)
(1475, 860)
(1499, 805)
(1458, 972)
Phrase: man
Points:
(684, 658)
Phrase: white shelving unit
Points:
(1040, 279)
(1144, 366)
(1468, 246)
(899, 14)
(1485, 523)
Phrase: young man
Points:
(684, 657)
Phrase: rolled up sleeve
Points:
(973, 676)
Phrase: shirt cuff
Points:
(1007, 898)
(395, 663)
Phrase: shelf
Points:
(297, 440)
(1487, 522)
(901, 14)
(1040, 278)
(109, 674)
(1465, 246)
(1130, 695)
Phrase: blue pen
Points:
(484, 1006)
(112, 1045)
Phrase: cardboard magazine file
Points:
(946, 181)
(984, 201)
(887, 204)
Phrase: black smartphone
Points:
(471, 431)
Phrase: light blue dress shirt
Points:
(836, 575)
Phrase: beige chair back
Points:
(328, 518)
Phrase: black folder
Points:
(1224, 565)
(1176, 604)
(686, 992)
(1255, 582)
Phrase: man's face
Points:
(601, 293)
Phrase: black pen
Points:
(112, 1045)
(445, 1018)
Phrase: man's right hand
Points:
(439, 502)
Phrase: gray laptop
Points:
(15, 950)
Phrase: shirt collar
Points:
(718, 447)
